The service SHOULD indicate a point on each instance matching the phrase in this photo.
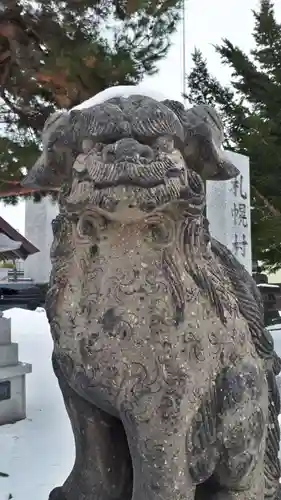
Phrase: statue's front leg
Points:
(102, 468)
(254, 490)
(242, 396)
(234, 484)
(158, 451)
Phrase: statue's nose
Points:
(128, 150)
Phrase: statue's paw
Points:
(278, 496)
(57, 494)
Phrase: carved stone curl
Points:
(167, 373)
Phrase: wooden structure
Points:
(14, 245)
(14, 188)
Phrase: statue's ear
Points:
(52, 167)
(36, 175)
(203, 151)
(214, 164)
(225, 171)
(44, 175)
(207, 158)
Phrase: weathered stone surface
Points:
(167, 373)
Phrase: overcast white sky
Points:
(207, 22)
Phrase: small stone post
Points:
(12, 377)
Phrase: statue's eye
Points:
(165, 144)
(99, 146)
(147, 153)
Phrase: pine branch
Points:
(274, 211)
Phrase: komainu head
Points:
(130, 155)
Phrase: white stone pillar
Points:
(229, 211)
(38, 230)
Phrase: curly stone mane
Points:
(251, 306)
(249, 299)
(209, 274)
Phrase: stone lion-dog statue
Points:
(167, 373)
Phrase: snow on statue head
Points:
(120, 91)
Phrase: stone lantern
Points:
(12, 371)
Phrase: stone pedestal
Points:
(12, 377)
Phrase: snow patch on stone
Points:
(120, 91)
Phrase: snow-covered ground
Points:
(38, 453)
